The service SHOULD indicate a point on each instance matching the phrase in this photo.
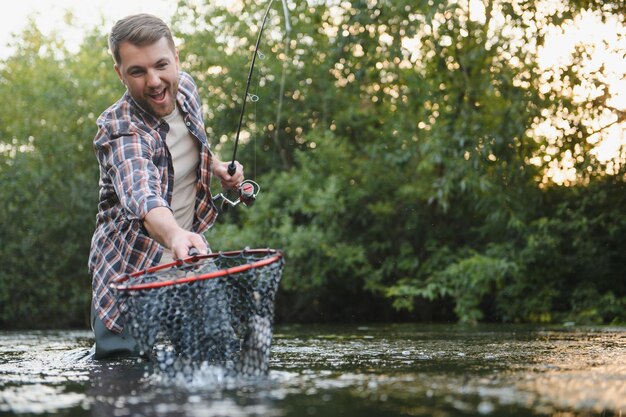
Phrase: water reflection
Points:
(386, 370)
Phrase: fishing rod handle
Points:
(232, 168)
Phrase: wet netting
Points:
(214, 310)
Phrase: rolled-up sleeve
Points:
(137, 181)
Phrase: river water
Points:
(327, 371)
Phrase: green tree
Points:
(48, 178)
(409, 142)
(397, 144)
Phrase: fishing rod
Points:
(249, 189)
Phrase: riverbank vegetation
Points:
(419, 160)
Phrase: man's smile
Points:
(159, 97)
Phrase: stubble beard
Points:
(160, 110)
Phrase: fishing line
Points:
(256, 121)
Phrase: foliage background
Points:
(402, 168)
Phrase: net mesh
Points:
(217, 310)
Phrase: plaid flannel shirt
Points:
(136, 175)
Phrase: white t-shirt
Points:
(185, 151)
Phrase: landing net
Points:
(215, 309)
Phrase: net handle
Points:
(118, 283)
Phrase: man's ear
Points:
(119, 73)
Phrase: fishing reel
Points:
(247, 192)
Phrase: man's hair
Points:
(139, 30)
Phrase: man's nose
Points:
(152, 78)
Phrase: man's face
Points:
(151, 75)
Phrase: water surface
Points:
(378, 370)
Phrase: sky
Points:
(49, 16)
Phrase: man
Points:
(155, 169)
